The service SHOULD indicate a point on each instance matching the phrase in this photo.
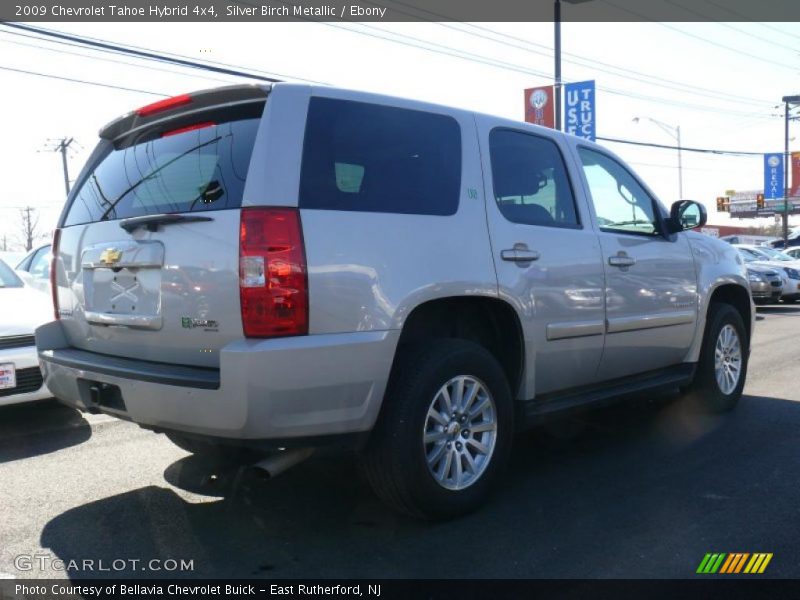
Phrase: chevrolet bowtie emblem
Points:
(109, 256)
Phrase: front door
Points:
(546, 254)
(651, 285)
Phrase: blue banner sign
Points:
(579, 109)
(773, 176)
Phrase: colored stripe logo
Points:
(733, 563)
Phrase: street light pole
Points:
(680, 164)
(557, 57)
(787, 101)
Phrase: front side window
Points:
(530, 180)
(620, 202)
(372, 158)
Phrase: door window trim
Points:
(571, 185)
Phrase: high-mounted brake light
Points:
(273, 281)
(164, 105)
(54, 273)
(188, 128)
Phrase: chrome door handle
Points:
(621, 261)
(519, 255)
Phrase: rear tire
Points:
(416, 460)
(722, 367)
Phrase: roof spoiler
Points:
(183, 105)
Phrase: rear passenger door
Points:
(546, 255)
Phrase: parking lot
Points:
(642, 490)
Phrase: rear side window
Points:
(365, 157)
(198, 170)
(531, 185)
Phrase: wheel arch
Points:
(490, 322)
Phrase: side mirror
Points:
(686, 214)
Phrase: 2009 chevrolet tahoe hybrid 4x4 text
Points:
(285, 266)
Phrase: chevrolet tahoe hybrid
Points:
(274, 268)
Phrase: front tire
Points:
(722, 368)
(445, 431)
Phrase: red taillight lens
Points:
(54, 272)
(194, 127)
(164, 105)
(273, 282)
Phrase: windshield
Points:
(748, 255)
(772, 254)
(7, 276)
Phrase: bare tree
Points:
(28, 225)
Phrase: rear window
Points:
(366, 157)
(198, 170)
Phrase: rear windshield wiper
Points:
(151, 222)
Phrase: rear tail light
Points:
(54, 273)
(164, 105)
(273, 282)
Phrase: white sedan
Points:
(22, 310)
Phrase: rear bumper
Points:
(26, 364)
(300, 387)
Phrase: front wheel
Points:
(722, 367)
(445, 431)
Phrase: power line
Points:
(244, 74)
(705, 17)
(737, 51)
(477, 58)
(581, 61)
(158, 56)
(73, 80)
(100, 58)
(446, 50)
(139, 53)
(682, 148)
(739, 15)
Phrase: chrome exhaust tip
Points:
(277, 463)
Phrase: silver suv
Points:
(276, 268)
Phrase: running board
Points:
(533, 411)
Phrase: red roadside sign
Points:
(539, 106)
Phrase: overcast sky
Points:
(720, 82)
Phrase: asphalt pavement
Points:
(642, 489)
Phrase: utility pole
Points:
(789, 102)
(62, 145)
(28, 227)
